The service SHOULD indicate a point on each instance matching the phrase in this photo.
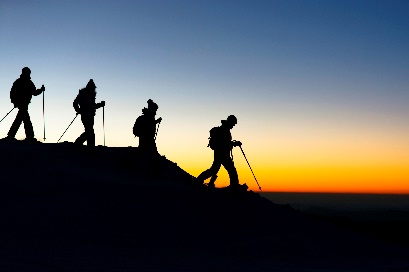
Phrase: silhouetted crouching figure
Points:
(21, 93)
(222, 145)
(85, 105)
(145, 129)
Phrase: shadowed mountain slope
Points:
(65, 209)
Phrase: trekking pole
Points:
(7, 114)
(67, 127)
(250, 167)
(103, 121)
(43, 116)
(157, 129)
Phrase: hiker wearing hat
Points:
(21, 93)
(85, 105)
(221, 142)
(145, 129)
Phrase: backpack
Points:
(15, 92)
(14, 95)
(139, 126)
(214, 139)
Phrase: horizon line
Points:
(339, 193)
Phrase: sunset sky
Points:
(320, 88)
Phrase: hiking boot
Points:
(31, 140)
(238, 187)
(198, 182)
(9, 139)
(78, 145)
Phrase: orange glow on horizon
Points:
(336, 179)
(310, 157)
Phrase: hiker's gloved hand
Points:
(102, 103)
(42, 88)
(159, 120)
(236, 143)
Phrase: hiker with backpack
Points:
(85, 105)
(145, 128)
(21, 93)
(222, 144)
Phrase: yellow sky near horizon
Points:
(370, 160)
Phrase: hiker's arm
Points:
(36, 92)
(236, 143)
(99, 105)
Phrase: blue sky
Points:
(291, 71)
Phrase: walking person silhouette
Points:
(145, 129)
(21, 93)
(85, 105)
(222, 145)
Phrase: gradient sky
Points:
(320, 88)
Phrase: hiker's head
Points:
(91, 84)
(152, 106)
(231, 121)
(91, 87)
(26, 72)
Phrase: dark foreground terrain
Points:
(64, 209)
(383, 217)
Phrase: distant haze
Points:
(342, 202)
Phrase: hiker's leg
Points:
(212, 181)
(143, 146)
(88, 122)
(81, 139)
(91, 138)
(212, 171)
(28, 126)
(150, 154)
(231, 169)
(90, 134)
(151, 147)
(16, 124)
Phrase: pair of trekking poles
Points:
(103, 124)
(43, 115)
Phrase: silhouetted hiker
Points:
(145, 129)
(221, 142)
(85, 105)
(21, 93)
